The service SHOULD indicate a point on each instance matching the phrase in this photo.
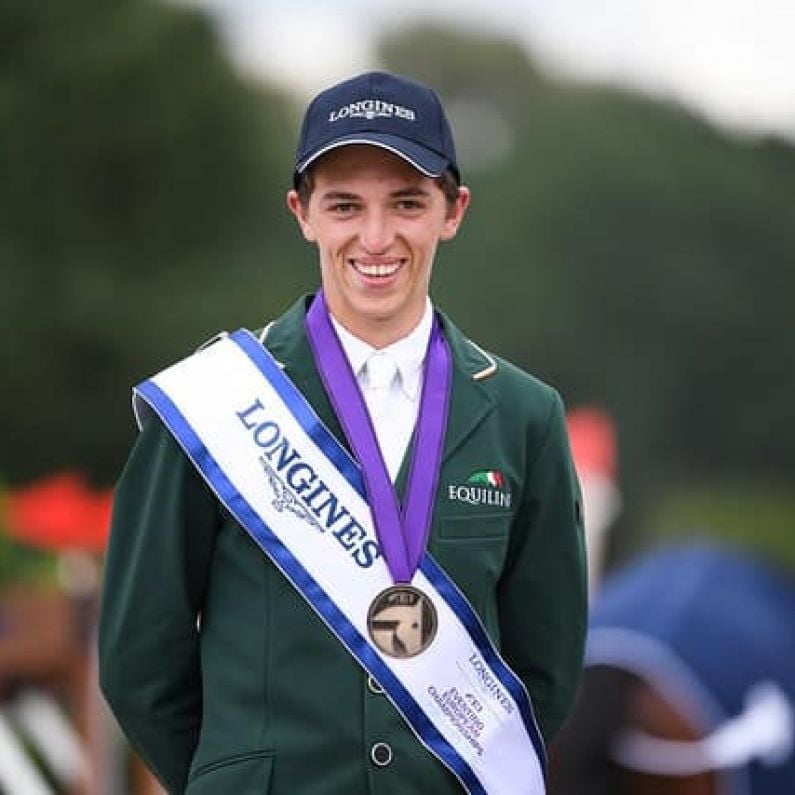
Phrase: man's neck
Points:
(380, 334)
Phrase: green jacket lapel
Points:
(286, 339)
(470, 401)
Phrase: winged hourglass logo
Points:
(284, 499)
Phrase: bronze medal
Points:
(402, 621)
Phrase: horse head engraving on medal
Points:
(402, 621)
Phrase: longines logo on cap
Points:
(369, 109)
(484, 487)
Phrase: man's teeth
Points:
(377, 270)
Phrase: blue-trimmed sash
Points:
(299, 494)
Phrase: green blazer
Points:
(227, 683)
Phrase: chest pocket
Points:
(471, 550)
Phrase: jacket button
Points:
(373, 686)
(381, 754)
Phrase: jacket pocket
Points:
(472, 552)
(475, 527)
(244, 774)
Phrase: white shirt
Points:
(390, 379)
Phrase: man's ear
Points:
(455, 214)
(297, 208)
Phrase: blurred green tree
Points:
(141, 185)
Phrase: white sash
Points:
(296, 490)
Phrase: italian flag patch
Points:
(488, 477)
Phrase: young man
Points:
(277, 617)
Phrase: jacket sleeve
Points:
(162, 535)
(543, 591)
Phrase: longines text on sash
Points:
(305, 483)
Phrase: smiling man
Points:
(297, 597)
(376, 221)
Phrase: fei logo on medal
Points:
(402, 621)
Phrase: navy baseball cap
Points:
(383, 110)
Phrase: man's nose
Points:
(376, 233)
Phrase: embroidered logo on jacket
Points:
(484, 487)
(488, 477)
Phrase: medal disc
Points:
(402, 621)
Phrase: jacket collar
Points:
(470, 400)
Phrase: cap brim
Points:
(424, 160)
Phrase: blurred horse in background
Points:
(689, 686)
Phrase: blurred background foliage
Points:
(618, 247)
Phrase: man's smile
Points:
(376, 269)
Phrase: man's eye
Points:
(343, 208)
(409, 204)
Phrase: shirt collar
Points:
(408, 353)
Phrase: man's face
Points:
(376, 222)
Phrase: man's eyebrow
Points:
(413, 191)
(339, 195)
(345, 196)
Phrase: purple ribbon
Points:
(402, 531)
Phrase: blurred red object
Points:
(593, 441)
(59, 513)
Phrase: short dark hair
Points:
(447, 183)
